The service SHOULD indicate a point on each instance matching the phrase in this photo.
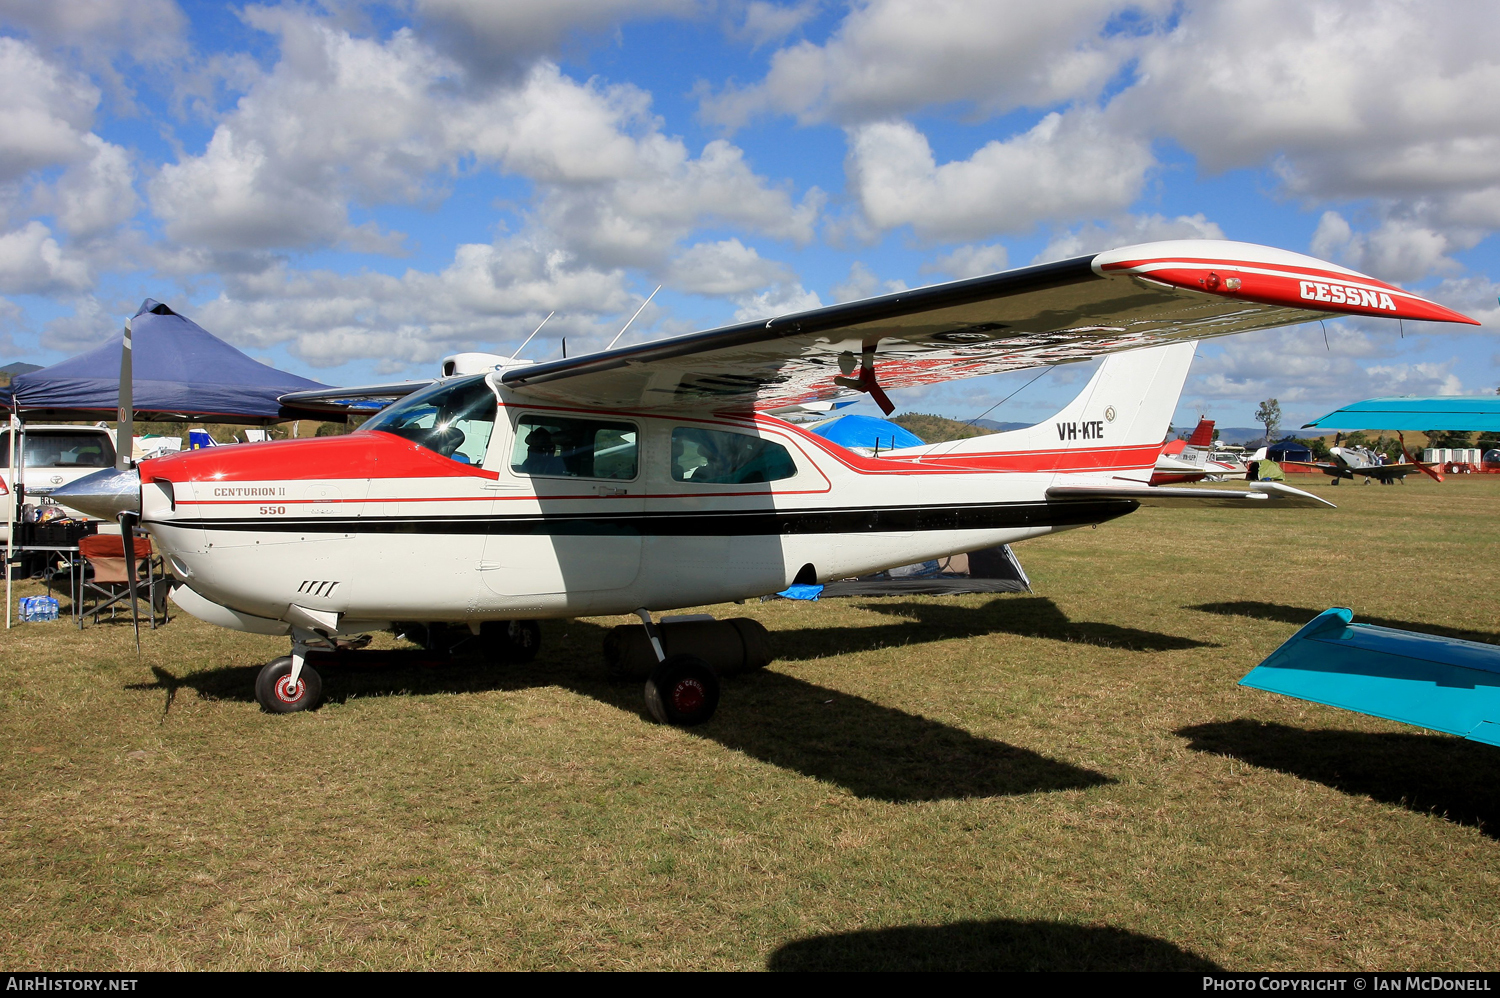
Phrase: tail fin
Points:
(1114, 427)
(1203, 435)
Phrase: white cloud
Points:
(31, 262)
(726, 267)
(971, 261)
(1068, 166)
(862, 283)
(1400, 248)
(96, 194)
(45, 113)
(91, 322)
(500, 36)
(764, 22)
(1126, 230)
(893, 57)
(343, 120)
(84, 24)
(782, 299)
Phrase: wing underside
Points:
(1055, 313)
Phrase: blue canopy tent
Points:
(1445, 412)
(866, 431)
(182, 371)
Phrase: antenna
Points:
(632, 319)
(528, 339)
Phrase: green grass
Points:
(1066, 779)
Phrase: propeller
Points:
(124, 445)
(1426, 469)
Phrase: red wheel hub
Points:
(688, 696)
(287, 693)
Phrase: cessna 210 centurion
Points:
(658, 475)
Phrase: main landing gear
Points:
(682, 659)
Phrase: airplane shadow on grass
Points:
(1026, 616)
(872, 750)
(1452, 778)
(1002, 944)
(1300, 615)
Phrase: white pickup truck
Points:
(55, 455)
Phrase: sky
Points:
(351, 191)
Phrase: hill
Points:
(935, 429)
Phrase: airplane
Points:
(1350, 461)
(1192, 460)
(658, 475)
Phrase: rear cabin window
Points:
(55, 449)
(455, 419)
(714, 457)
(563, 447)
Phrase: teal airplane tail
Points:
(1445, 684)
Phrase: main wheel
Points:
(683, 691)
(274, 690)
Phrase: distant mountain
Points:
(19, 368)
(935, 429)
(1255, 434)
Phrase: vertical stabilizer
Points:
(1114, 427)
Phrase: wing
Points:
(366, 398)
(1263, 495)
(1056, 313)
(1448, 412)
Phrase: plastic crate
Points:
(35, 609)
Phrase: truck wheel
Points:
(682, 691)
(274, 691)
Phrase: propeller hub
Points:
(105, 494)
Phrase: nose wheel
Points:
(278, 693)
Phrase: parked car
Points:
(55, 455)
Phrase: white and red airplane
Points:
(1192, 460)
(658, 476)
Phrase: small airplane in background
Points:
(1192, 460)
(658, 475)
(1349, 462)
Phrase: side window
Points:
(574, 448)
(717, 458)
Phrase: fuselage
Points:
(562, 512)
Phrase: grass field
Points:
(1067, 779)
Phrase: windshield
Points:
(62, 449)
(454, 418)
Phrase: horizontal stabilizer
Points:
(1444, 684)
(1265, 495)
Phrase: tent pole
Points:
(10, 515)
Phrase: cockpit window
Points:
(564, 447)
(454, 418)
(718, 458)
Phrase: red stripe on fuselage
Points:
(365, 454)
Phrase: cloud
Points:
(764, 22)
(783, 299)
(89, 325)
(45, 114)
(727, 267)
(500, 37)
(31, 262)
(94, 24)
(1126, 230)
(893, 57)
(1068, 166)
(862, 283)
(971, 261)
(343, 121)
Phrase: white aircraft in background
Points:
(658, 476)
(1194, 460)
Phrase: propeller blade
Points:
(1426, 469)
(127, 535)
(125, 416)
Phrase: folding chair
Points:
(106, 583)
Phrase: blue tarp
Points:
(866, 431)
(1445, 412)
(181, 371)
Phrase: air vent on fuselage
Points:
(312, 588)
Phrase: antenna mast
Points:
(632, 319)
